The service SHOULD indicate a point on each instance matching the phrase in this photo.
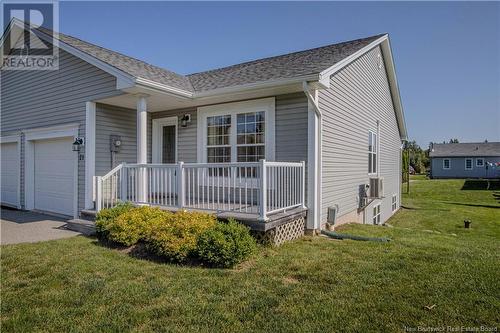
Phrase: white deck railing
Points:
(225, 187)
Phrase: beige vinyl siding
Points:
(359, 96)
(31, 99)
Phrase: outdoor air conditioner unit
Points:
(376, 187)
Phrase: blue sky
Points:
(447, 54)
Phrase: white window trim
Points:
(158, 137)
(15, 139)
(377, 217)
(265, 104)
(471, 163)
(376, 152)
(69, 130)
(480, 159)
(449, 164)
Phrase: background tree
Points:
(418, 158)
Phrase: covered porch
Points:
(231, 171)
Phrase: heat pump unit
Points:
(377, 187)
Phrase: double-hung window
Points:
(480, 162)
(372, 152)
(250, 136)
(236, 132)
(218, 141)
(468, 164)
(446, 164)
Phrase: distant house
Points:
(465, 160)
(312, 136)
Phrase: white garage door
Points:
(54, 175)
(10, 174)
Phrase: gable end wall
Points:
(31, 99)
(359, 96)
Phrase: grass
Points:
(311, 285)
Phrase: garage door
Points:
(10, 174)
(54, 175)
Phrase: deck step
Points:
(83, 226)
(88, 214)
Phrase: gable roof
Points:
(307, 62)
(465, 149)
(134, 67)
(292, 65)
(314, 66)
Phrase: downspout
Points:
(312, 97)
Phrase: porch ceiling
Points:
(160, 101)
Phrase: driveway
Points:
(28, 227)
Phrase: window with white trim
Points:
(480, 162)
(218, 140)
(376, 214)
(372, 152)
(236, 132)
(468, 164)
(250, 139)
(394, 202)
(446, 163)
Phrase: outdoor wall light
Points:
(185, 120)
(77, 144)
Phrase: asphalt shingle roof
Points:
(465, 149)
(290, 65)
(129, 65)
(286, 66)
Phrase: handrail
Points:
(256, 188)
(113, 171)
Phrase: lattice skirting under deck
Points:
(286, 232)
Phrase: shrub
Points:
(226, 244)
(176, 237)
(107, 216)
(135, 225)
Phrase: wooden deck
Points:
(252, 220)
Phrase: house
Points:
(296, 137)
(465, 160)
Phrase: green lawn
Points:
(314, 284)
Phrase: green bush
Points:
(107, 216)
(175, 238)
(226, 244)
(135, 224)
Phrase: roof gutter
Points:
(160, 87)
(313, 80)
(256, 86)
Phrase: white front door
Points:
(165, 140)
(54, 175)
(10, 174)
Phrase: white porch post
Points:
(142, 146)
(314, 167)
(90, 124)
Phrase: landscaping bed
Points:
(181, 237)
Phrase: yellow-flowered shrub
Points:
(135, 224)
(176, 237)
(106, 217)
